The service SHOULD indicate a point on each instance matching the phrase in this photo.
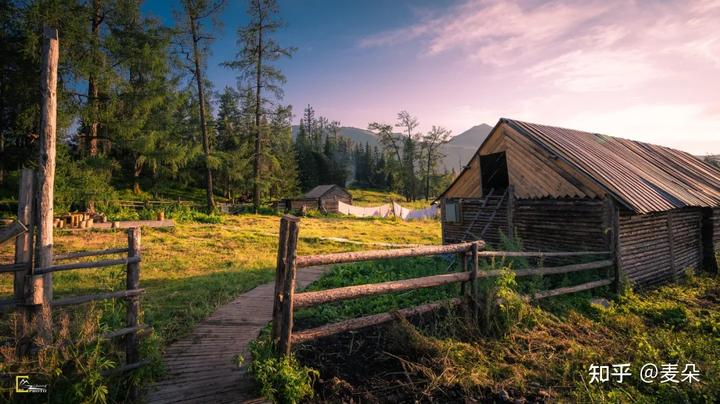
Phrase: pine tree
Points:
(194, 47)
(257, 51)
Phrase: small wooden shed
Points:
(656, 208)
(323, 198)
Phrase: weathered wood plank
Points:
(356, 256)
(8, 233)
(88, 265)
(98, 296)
(82, 254)
(362, 322)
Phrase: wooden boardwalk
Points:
(200, 367)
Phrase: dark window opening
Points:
(494, 172)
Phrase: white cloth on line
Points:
(385, 210)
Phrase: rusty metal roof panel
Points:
(644, 177)
(319, 191)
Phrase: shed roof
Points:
(643, 177)
(321, 190)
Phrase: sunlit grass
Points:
(193, 268)
(368, 197)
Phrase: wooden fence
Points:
(286, 300)
(33, 293)
(157, 204)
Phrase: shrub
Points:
(281, 378)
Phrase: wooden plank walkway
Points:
(200, 367)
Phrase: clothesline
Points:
(386, 210)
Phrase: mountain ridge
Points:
(458, 150)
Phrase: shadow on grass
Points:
(173, 307)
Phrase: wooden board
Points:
(200, 368)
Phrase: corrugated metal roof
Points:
(644, 177)
(319, 191)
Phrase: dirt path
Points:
(200, 367)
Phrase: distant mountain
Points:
(461, 148)
(457, 152)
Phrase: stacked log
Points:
(657, 248)
(561, 224)
(477, 214)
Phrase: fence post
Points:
(46, 178)
(24, 252)
(289, 287)
(474, 281)
(132, 354)
(280, 279)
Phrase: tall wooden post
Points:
(289, 288)
(42, 285)
(24, 247)
(280, 277)
(132, 354)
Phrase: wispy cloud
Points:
(576, 46)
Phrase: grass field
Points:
(191, 269)
(367, 197)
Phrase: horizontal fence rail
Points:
(94, 253)
(98, 296)
(286, 300)
(339, 258)
(87, 265)
(5, 268)
(375, 319)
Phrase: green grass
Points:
(368, 197)
(191, 269)
(537, 352)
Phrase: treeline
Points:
(408, 161)
(135, 106)
(137, 112)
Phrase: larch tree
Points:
(431, 144)
(254, 63)
(192, 31)
(408, 124)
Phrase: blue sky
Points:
(642, 70)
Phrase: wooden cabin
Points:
(323, 198)
(656, 208)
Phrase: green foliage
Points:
(533, 350)
(280, 378)
(71, 365)
(375, 272)
(81, 182)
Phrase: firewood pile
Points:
(79, 220)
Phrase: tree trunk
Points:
(201, 98)
(258, 113)
(136, 177)
(2, 158)
(427, 175)
(42, 285)
(92, 82)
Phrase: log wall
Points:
(716, 228)
(475, 218)
(571, 224)
(657, 248)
